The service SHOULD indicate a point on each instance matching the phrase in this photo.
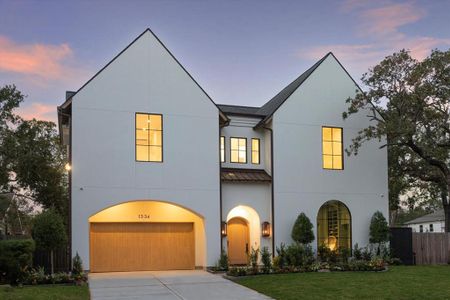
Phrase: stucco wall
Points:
(301, 184)
(145, 78)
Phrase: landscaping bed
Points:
(45, 292)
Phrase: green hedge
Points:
(15, 259)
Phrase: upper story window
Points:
(332, 148)
(431, 228)
(255, 151)
(238, 149)
(149, 144)
(222, 149)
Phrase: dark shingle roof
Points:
(244, 175)
(270, 107)
(239, 110)
(433, 217)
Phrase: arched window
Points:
(334, 226)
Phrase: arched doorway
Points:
(146, 235)
(334, 227)
(238, 241)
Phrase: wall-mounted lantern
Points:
(266, 229)
(223, 229)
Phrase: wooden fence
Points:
(431, 248)
(61, 260)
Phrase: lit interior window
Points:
(238, 150)
(222, 149)
(255, 151)
(149, 137)
(332, 146)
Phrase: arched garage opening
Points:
(334, 225)
(146, 235)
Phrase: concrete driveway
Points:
(167, 285)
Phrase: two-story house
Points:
(163, 178)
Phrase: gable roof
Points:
(273, 104)
(433, 217)
(69, 97)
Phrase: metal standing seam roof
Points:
(433, 217)
(244, 175)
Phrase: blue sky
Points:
(241, 52)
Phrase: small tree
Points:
(302, 232)
(379, 229)
(49, 232)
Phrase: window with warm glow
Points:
(149, 137)
(255, 151)
(222, 149)
(334, 228)
(332, 147)
(238, 149)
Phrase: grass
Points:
(399, 282)
(47, 292)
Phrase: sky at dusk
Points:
(240, 52)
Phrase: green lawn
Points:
(400, 282)
(48, 292)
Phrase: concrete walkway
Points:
(167, 285)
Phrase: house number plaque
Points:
(143, 216)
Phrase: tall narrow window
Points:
(255, 151)
(149, 132)
(238, 150)
(332, 147)
(222, 149)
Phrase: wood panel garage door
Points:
(141, 246)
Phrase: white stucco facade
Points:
(146, 78)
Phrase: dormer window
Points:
(238, 149)
(149, 144)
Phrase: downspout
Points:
(272, 188)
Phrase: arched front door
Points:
(238, 241)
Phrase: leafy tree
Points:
(407, 102)
(379, 230)
(302, 231)
(49, 232)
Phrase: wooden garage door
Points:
(141, 246)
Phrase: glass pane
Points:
(255, 144)
(337, 162)
(242, 144)
(156, 122)
(337, 134)
(327, 162)
(337, 148)
(326, 133)
(234, 156)
(242, 156)
(327, 148)
(222, 155)
(255, 157)
(141, 153)
(141, 121)
(141, 137)
(155, 138)
(222, 142)
(155, 153)
(234, 144)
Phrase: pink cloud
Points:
(40, 60)
(38, 111)
(386, 20)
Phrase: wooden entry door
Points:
(141, 246)
(238, 241)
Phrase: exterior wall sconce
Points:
(223, 229)
(266, 229)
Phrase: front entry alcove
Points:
(146, 235)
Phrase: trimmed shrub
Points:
(357, 252)
(266, 260)
(379, 230)
(280, 260)
(253, 260)
(15, 259)
(77, 265)
(299, 255)
(302, 231)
